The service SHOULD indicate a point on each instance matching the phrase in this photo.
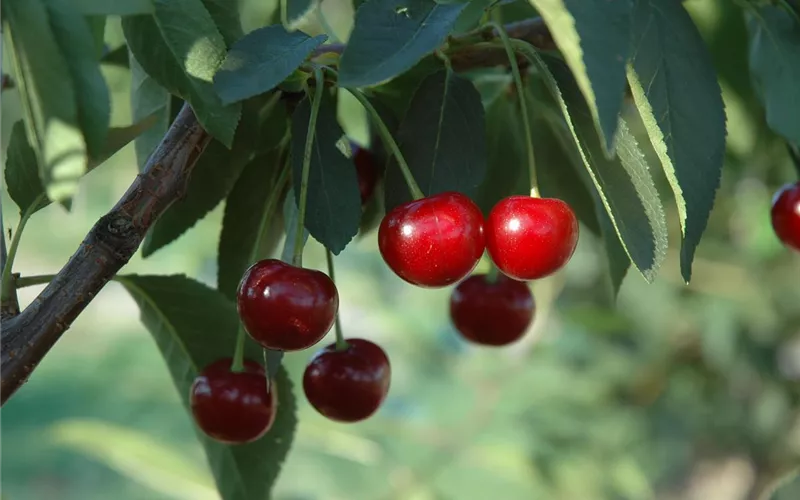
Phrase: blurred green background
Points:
(680, 392)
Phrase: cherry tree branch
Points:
(29, 336)
(113, 240)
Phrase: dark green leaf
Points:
(113, 8)
(506, 173)
(290, 224)
(97, 27)
(148, 98)
(193, 326)
(181, 48)
(117, 57)
(333, 211)
(48, 98)
(775, 67)
(676, 91)
(251, 226)
(261, 60)
(226, 16)
(22, 173)
(296, 10)
(624, 184)
(74, 37)
(618, 260)
(594, 38)
(443, 139)
(390, 36)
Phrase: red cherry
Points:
(366, 169)
(348, 385)
(284, 307)
(530, 238)
(233, 407)
(786, 215)
(433, 242)
(494, 314)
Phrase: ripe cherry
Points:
(786, 215)
(348, 385)
(233, 407)
(434, 241)
(284, 307)
(366, 169)
(491, 313)
(530, 238)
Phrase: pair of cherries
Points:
(438, 240)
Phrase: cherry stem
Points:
(390, 143)
(526, 124)
(494, 273)
(297, 258)
(341, 343)
(238, 354)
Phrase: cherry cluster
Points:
(431, 242)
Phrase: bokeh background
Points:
(678, 392)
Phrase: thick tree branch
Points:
(28, 337)
(112, 241)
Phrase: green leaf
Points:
(296, 10)
(251, 226)
(97, 27)
(594, 38)
(333, 210)
(181, 48)
(48, 97)
(261, 60)
(115, 8)
(391, 36)
(618, 260)
(148, 98)
(22, 172)
(443, 139)
(213, 177)
(119, 137)
(675, 88)
(775, 67)
(227, 17)
(624, 184)
(193, 326)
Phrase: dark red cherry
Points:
(284, 307)
(366, 169)
(433, 242)
(530, 238)
(348, 385)
(786, 215)
(233, 407)
(493, 314)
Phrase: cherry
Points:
(491, 313)
(433, 242)
(233, 407)
(786, 215)
(284, 307)
(530, 238)
(366, 169)
(348, 385)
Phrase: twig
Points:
(28, 337)
(464, 54)
(109, 245)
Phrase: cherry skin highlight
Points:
(366, 169)
(491, 314)
(348, 385)
(433, 242)
(233, 407)
(530, 238)
(786, 215)
(284, 307)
